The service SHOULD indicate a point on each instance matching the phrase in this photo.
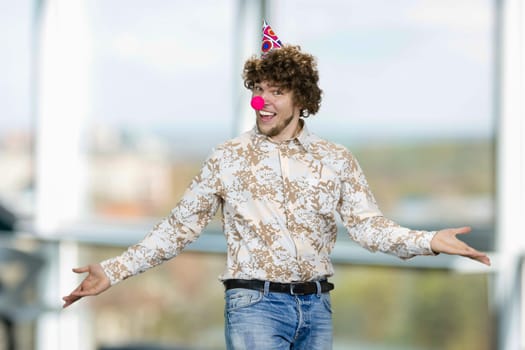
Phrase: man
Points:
(279, 187)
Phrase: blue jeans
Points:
(257, 320)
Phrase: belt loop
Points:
(266, 287)
(319, 290)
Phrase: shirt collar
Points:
(304, 137)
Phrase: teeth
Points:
(266, 114)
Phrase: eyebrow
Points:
(270, 85)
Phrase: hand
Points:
(95, 283)
(445, 241)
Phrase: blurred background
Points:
(109, 108)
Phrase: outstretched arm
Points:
(163, 242)
(445, 241)
(368, 227)
(95, 283)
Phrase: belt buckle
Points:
(292, 288)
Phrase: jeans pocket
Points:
(239, 297)
(327, 301)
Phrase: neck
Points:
(285, 135)
(298, 129)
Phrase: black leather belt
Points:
(295, 288)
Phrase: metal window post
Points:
(511, 173)
(247, 40)
(62, 72)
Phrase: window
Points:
(408, 88)
(161, 100)
(16, 123)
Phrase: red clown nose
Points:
(257, 103)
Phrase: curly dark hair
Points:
(290, 69)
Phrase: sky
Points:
(407, 68)
(415, 66)
(15, 63)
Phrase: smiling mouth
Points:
(266, 116)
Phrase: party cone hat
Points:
(270, 40)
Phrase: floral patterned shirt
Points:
(279, 203)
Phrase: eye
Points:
(257, 89)
(277, 92)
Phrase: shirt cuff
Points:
(428, 239)
(115, 270)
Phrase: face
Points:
(279, 118)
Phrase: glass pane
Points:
(408, 88)
(161, 100)
(16, 124)
(178, 304)
(18, 265)
(181, 303)
(393, 309)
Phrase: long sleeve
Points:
(169, 237)
(366, 224)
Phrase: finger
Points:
(484, 259)
(68, 300)
(463, 230)
(84, 293)
(473, 254)
(477, 255)
(72, 293)
(77, 289)
(81, 269)
(68, 303)
(468, 251)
